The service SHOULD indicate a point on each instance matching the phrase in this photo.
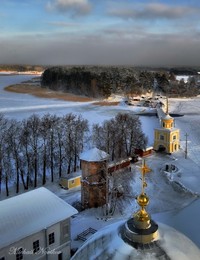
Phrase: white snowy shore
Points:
(168, 205)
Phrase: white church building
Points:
(35, 225)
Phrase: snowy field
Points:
(177, 205)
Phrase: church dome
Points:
(111, 243)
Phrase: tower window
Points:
(174, 137)
(51, 238)
(163, 124)
(161, 137)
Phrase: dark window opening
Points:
(51, 238)
(36, 246)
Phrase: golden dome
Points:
(143, 200)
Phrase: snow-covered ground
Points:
(182, 77)
(171, 194)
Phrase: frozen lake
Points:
(20, 106)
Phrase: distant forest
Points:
(22, 68)
(102, 81)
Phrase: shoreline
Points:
(7, 72)
(38, 91)
(34, 88)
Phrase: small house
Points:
(144, 152)
(71, 181)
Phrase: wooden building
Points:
(123, 164)
(71, 181)
(144, 152)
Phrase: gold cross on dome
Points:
(144, 169)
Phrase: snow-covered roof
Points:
(94, 155)
(109, 244)
(29, 213)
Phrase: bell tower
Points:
(167, 137)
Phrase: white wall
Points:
(61, 244)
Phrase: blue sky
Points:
(106, 32)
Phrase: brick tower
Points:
(93, 184)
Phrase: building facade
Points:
(35, 225)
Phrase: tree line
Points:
(22, 68)
(97, 81)
(38, 149)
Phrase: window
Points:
(161, 137)
(60, 256)
(163, 124)
(72, 181)
(66, 230)
(19, 254)
(36, 246)
(174, 137)
(51, 238)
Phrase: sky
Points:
(104, 32)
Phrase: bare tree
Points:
(80, 130)
(59, 145)
(44, 127)
(33, 127)
(51, 122)
(119, 136)
(14, 146)
(3, 130)
(27, 152)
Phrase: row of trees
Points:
(37, 149)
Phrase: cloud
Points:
(100, 49)
(64, 24)
(76, 7)
(153, 11)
